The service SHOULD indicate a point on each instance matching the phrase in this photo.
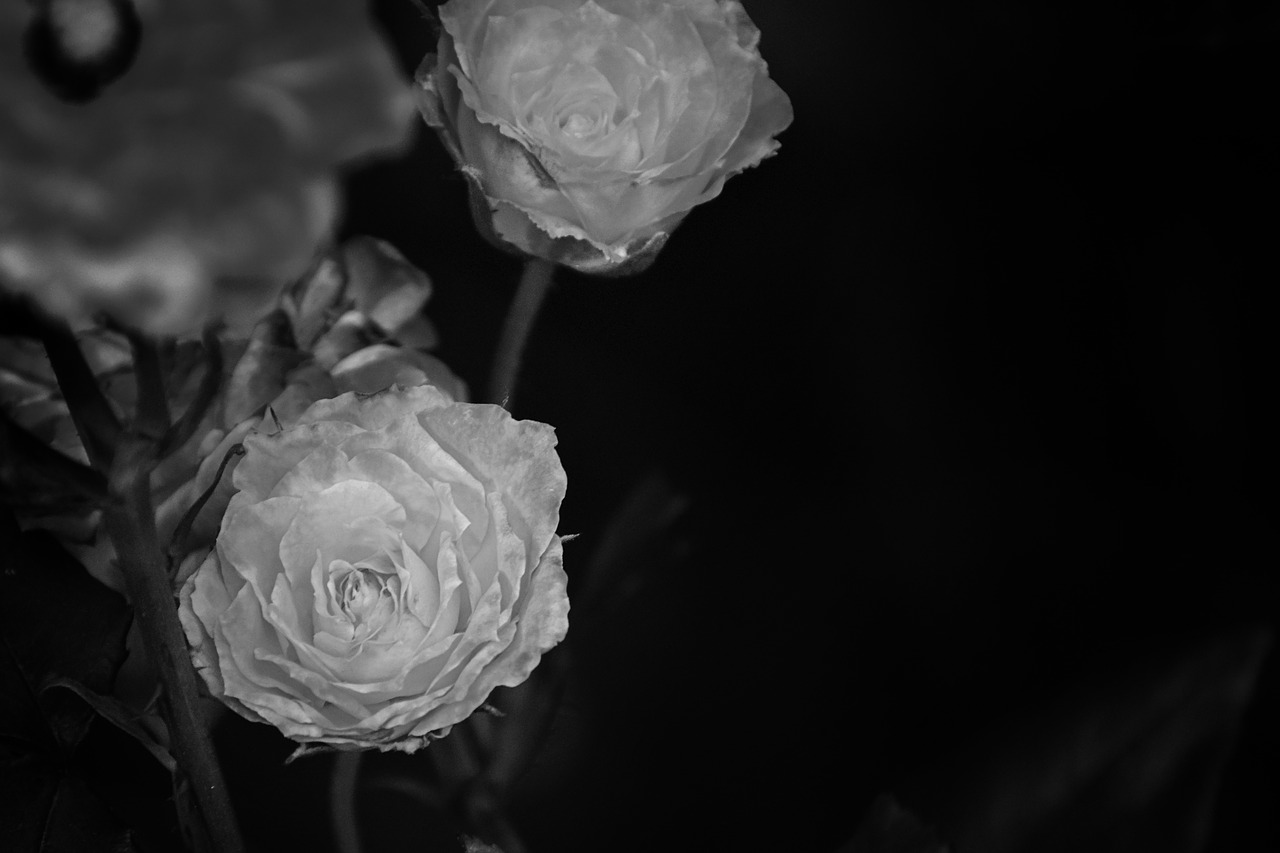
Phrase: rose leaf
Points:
(56, 622)
(46, 810)
(638, 536)
(889, 828)
(119, 715)
(1129, 760)
(260, 374)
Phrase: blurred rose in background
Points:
(196, 184)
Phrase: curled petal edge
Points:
(517, 230)
(542, 623)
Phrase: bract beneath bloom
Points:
(201, 180)
(386, 562)
(589, 128)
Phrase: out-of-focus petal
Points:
(206, 167)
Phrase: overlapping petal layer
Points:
(385, 563)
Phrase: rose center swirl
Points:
(367, 594)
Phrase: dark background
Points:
(941, 432)
(963, 391)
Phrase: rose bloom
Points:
(386, 562)
(588, 130)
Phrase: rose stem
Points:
(96, 423)
(535, 282)
(342, 802)
(130, 521)
(131, 525)
(152, 418)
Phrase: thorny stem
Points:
(131, 524)
(535, 282)
(130, 521)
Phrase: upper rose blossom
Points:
(202, 179)
(386, 562)
(589, 128)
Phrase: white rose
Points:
(589, 128)
(386, 562)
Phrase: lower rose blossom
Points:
(386, 562)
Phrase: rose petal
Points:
(268, 457)
(409, 440)
(771, 113)
(347, 521)
(376, 411)
(250, 540)
(378, 367)
(517, 456)
(542, 622)
(421, 504)
(318, 470)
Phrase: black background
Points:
(963, 388)
(962, 392)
